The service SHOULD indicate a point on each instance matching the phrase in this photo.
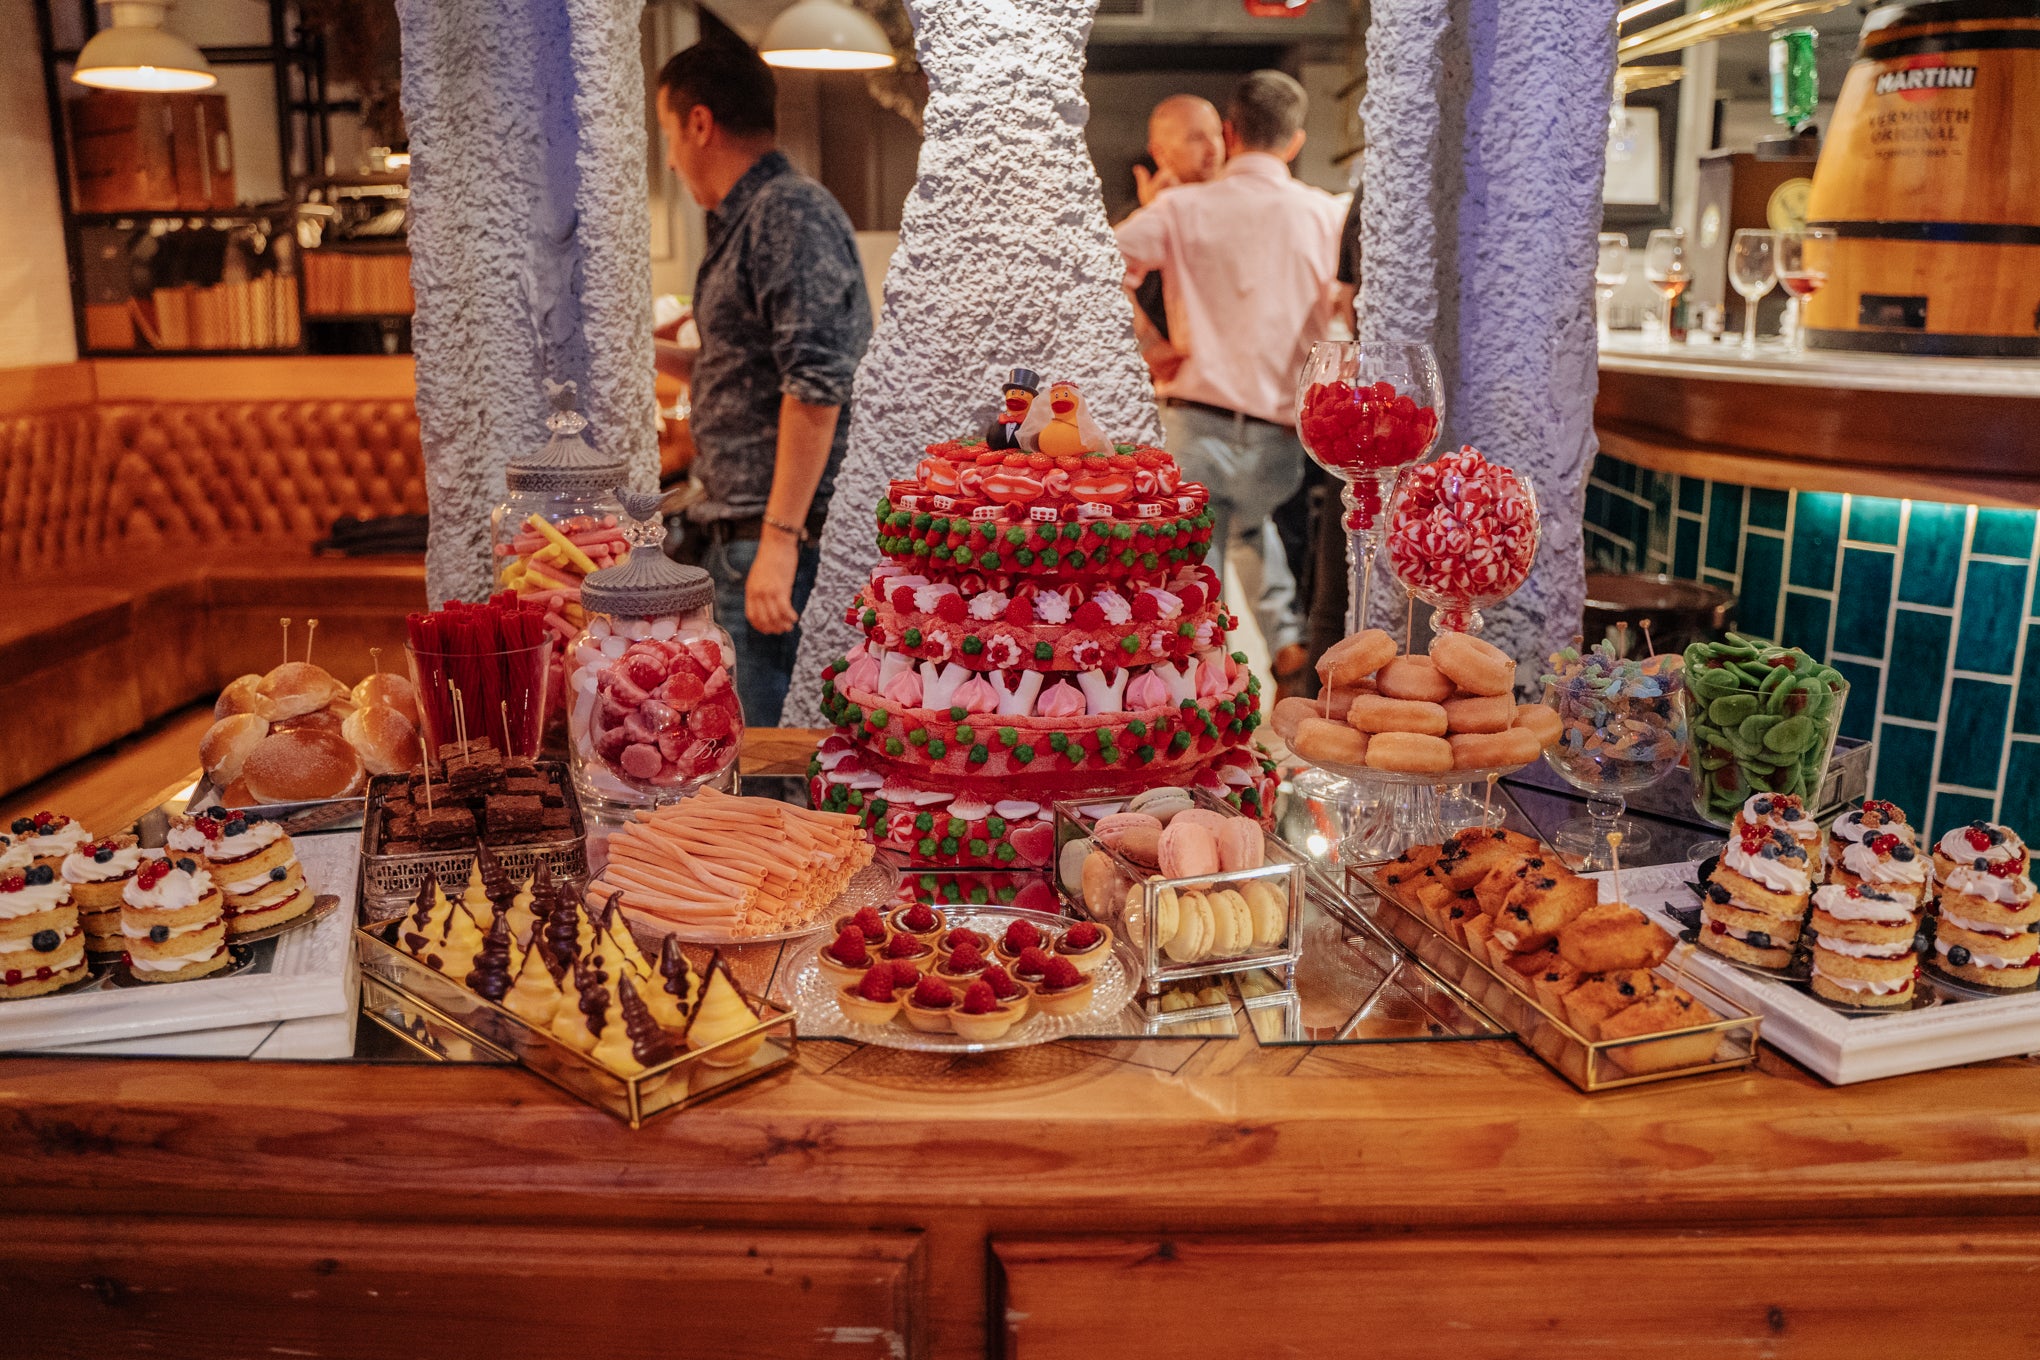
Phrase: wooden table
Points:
(1085, 1200)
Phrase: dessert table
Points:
(1138, 1197)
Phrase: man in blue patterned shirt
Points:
(784, 318)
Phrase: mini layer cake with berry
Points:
(1980, 845)
(1987, 926)
(1865, 949)
(1882, 859)
(1779, 812)
(46, 838)
(1876, 817)
(257, 869)
(42, 946)
(98, 872)
(172, 922)
(1754, 903)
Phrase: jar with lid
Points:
(652, 712)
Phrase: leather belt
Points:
(1226, 412)
(751, 527)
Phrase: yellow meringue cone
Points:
(723, 1014)
(569, 1026)
(463, 941)
(534, 996)
(441, 915)
(522, 918)
(476, 899)
(614, 1050)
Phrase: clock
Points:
(1786, 210)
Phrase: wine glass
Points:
(1611, 268)
(1666, 268)
(1803, 256)
(1623, 728)
(1365, 411)
(1753, 269)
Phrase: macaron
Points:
(1069, 864)
(1100, 878)
(1135, 835)
(1194, 929)
(1187, 850)
(1269, 903)
(1240, 845)
(1232, 923)
(1161, 803)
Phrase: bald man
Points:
(1186, 141)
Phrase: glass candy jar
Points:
(653, 713)
(558, 524)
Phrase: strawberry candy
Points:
(1462, 533)
(1364, 428)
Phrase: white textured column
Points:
(529, 247)
(1505, 178)
(1005, 259)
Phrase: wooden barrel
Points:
(1931, 179)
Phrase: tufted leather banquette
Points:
(155, 543)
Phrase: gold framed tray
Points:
(443, 1019)
(1727, 1042)
(389, 883)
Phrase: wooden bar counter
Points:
(1089, 1200)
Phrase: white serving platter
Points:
(1843, 1048)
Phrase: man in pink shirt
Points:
(1248, 265)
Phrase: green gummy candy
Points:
(1713, 762)
(1791, 736)
(1731, 709)
(1753, 729)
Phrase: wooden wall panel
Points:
(228, 1289)
(1833, 1291)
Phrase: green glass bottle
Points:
(1795, 77)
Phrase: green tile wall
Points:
(1932, 611)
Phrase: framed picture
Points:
(1638, 188)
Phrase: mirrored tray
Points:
(814, 996)
(872, 886)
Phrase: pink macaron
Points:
(1187, 849)
(1240, 845)
(1135, 835)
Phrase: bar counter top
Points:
(1095, 1198)
(1630, 352)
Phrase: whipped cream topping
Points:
(1955, 845)
(247, 885)
(1800, 828)
(135, 931)
(174, 891)
(1983, 960)
(1780, 875)
(1865, 984)
(1849, 827)
(33, 898)
(170, 963)
(2004, 930)
(58, 841)
(26, 944)
(258, 835)
(1866, 864)
(1865, 905)
(79, 867)
(186, 836)
(1970, 881)
(15, 856)
(1857, 949)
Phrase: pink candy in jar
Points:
(1462, 533)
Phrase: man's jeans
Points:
(764, 660)
(1250, 467)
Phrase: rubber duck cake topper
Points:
(1021, 387)
(1062, 425)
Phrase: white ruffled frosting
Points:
(1834, 899)
(1864, 984)
(57, 843)
(187, 837)
(174, 891)
(170, 963)
(1983, 960)
(1969, 881)
(258, 835)
(79, 867)
(33, 898)
(1802, 829)
(244, 886)
(1997, 928)
(1857, 949)
(26, 944)
(1849, 827)
(1956, 846)
(137, 931)
(1781, 875)
(1866, 864)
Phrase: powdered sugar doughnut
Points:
(1356, 657)
(1336, 742)
(1475, 666)
(1373, 713)
(1485, 750)
(1414, 677)
(1411, 752)
(1542, 719)
(1480, 713)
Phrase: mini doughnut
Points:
(1475, 666)
(1480, 713)
(1187, 850)
(1161, 803)
(1101, 882)
(1541, 719)
(1269, 903)
(1318, 739)
(1240, 845)
(1356, 657)
(1484, 750)
(1338, 698)
(1373, 713)
(1232, 923)
(1411, 752)
(1288, 715)
(1414, 677)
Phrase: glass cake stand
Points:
(1411, 813)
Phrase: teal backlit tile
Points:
(2026, 709)
(1922, 639)
(1991, 600)
(1715, 578)
(2003, 533)
(1656, 487)
(1768, 507)
(1686, 549)
(1933, 553)
(2019, 801)
(1624, 474)
(1693, 495)
(1816, 530)
(1863, 602)
(1905, 758)
(1604, 468)
(1960, 809)
(1763, 561)
(1859, 712)
(1724, 526)
(1873, 519)
(1806, 624)
(1597, 510)
(1975, 735)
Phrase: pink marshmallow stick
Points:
(559, 625)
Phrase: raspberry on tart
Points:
(1032, 965)
(930, 1005)
(1063, 990)
(964, 935)
(872, 1000)
(866, 920)
(1019, 936)
(908, 950)
(1085, 944)
(919, 920)
(981, 1017)
(846, 957)
(964, 963)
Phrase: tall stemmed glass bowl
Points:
(1365, 410)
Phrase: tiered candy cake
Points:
(1040, 625)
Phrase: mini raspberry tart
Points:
(908, 950)
(1019, 936)
(1031, 966)
(1007, 988)
(867, 921)
(846, 958)
(960, 936)
(961, 965)
(1063, 990)
(925, 923)
(981, 1017)
(931, 1005)
(872, 999)
(1086, 944)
